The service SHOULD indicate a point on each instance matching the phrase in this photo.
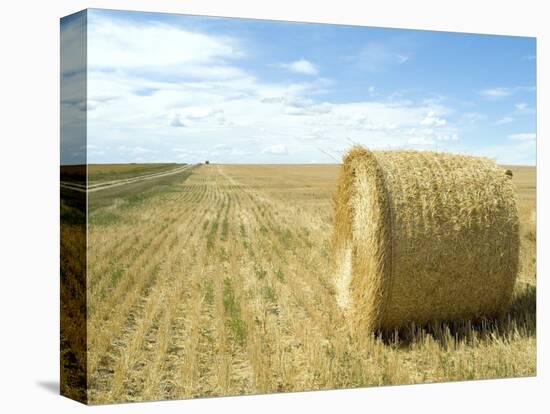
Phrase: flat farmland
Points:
(219, 281)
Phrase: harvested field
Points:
(219, 281)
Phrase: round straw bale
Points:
(423, 236)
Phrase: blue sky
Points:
(182, 88)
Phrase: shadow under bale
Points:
(519, 320)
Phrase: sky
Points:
(177, 88)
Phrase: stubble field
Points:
(219, 281)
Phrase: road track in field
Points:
(117, 183)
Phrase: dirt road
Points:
(116, 183)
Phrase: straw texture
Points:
(423, 236)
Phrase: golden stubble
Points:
(225, 286)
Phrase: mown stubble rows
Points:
(221, 284)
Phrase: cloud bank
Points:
(175, 92)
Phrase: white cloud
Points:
(521, 106)
(302, 66)
(238, 152)
(401, 58)
(235, 114)
(502, 92)
(515, 152)
(120, 44)
(194, 115)
(277, 149)
(365, 121)
(141, 150)
(499, 92)
(471, 118)
(198, 113)
(430, 136)
(421, 140)
(315, 134)
(301, 106)
(505, 120)
(230, 150)
(375, 57)
(176, 121)
(266, 112)
(528, 136)
(138, 150)
(432, 120)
